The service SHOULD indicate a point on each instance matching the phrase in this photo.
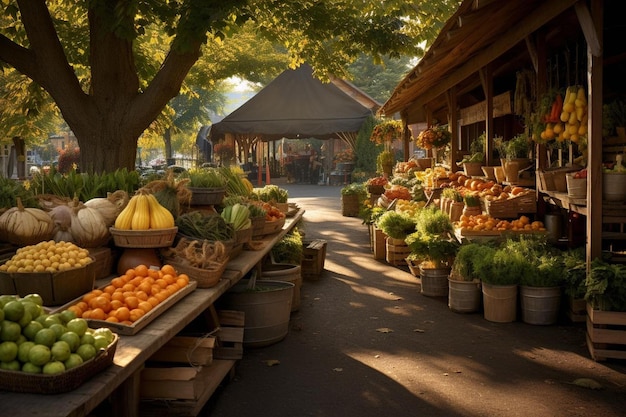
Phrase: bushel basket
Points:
(17, 381)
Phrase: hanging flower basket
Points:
(434, 137)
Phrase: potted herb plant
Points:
(473, 162)
(516, 156)
(384, 162)
(540, 292)
(501, 272)
(434, 247)
(396, 226)
(352, 196)
(207, 186)
(464, 295)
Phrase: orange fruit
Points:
(168, 269)
(117, 296)
(130, 274)
(141, 295)
(101, 303)
(86, 314)
(76, 310)
(171, 289)
(89, 296)
(155, 289)
(145, 306)
(144, 287)
(118, 282)
(136, 314)
(112, 319)
(82, 305)
(123, 314)
(136, 281)
(153, 301)
(182, 282)
(109, 289)
(170, 279)
(155, 273)
(162, 296)
(161, 283)
(115, 304)
(141, 270)
(131, 302)
(98, 314)
(184, 276)
(128, 287)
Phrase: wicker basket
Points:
(151, 238)
(206, 196)
(243, 235)
(273, 227)
(206, 278)
(350, 205)
(17, 381)
(258, 223)
(506, 209)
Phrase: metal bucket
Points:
(267, 310)
(434, 281)
(540, 305)
(286, 273)
(464, 296)
(499, 302)
(554, 226)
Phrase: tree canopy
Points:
(112, 66)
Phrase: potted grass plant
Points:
(465, 294)
(433, 248)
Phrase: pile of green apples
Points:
(37, 342)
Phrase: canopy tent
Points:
(295, 104)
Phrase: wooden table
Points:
(122, 379)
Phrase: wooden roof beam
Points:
(526, 26)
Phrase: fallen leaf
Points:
(377, 356)
(587, 383)
(272, 362)
(384, 330)
(338, 369)
(419, 330)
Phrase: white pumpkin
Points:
(110, 206)
(62, 217)
(88, 228)
(25, 226)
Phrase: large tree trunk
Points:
(109, 118)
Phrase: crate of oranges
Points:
(131, 301)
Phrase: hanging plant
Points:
(387, 132)
(434, 137)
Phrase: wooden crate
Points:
(193, 351)
(606, 334)
(103, 259)
(380, 240)
(577, 310)
(313, 258)
(184, 390)
(396, 252)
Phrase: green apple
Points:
(45, 337)
(8, 351)
(22, 351)
(86, 352)
(39, 355)
(60, 351)
(53, 367)
(73, 361)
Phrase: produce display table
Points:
(122, 379)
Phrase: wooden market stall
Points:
(122, 381)
(478, 58)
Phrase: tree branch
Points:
(19, 57)
(50, 68)
(164, 86)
